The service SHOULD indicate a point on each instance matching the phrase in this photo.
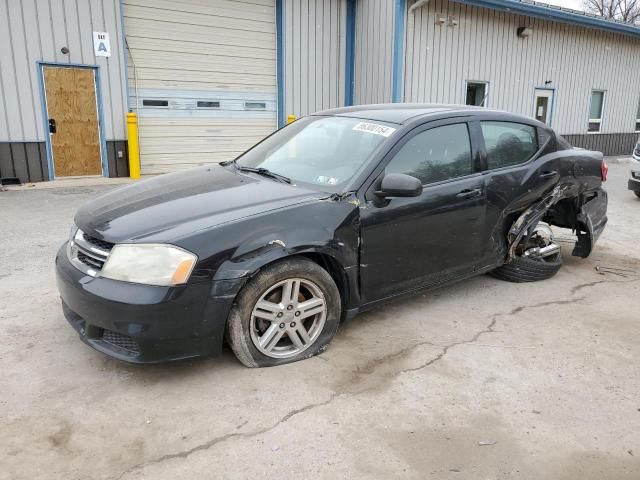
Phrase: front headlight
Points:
(151, 264)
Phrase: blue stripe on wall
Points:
(349, 67)
(280, 61)
(399, 15)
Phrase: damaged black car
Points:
(327, 217)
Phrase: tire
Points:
(524, 269)
(270, 333)
(637, 194)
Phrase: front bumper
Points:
(144, 323)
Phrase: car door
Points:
(514, 178)
(418, 241)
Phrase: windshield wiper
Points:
(263, 171)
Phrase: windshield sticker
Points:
(374, 128)
(326, 180)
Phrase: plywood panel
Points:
(71, 101)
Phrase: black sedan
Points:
(327, 217)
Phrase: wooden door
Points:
(73, 120)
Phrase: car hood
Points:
(168, 207)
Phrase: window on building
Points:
(255, 105)
(435, 155)
(595, 110)
(207, 104)
(477, 93)
(155, 103)
(638, 118)
(508, 143)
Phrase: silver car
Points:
(634, 181)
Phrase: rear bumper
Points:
(592, 219)
(143, 323)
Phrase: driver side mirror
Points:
(399, 185)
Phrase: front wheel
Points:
(537, 258)
(288, 312)
(637, 193)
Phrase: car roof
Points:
(401, 113)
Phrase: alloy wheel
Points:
(288, 318)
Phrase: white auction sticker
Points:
(374, 128)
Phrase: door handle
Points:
(550, 174)
(52, 125)
(470, 193)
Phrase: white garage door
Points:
(202, 77)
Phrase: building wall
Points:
(484, 46)
(36, 30)
(373, 51)
(315, 47)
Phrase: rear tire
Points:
(287, 312)
(524, 269)
(637, 194)
(529, 263)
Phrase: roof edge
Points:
(557, 14)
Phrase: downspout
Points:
(417, 5)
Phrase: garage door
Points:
(202, 77)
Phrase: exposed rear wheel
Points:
(287, 312)
(538, 258)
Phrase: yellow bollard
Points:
(133, 146)
(291, 118)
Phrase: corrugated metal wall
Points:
(314, 38)
(485, 47)
(36, 30)
(373, 51)
(190, 51)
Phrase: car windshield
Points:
(321, 151)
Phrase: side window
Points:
(435, 155)
(508, 143)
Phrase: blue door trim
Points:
(280, 61)
(45, 115)
(399, 16)
(349, 59)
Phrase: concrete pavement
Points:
(481, 380)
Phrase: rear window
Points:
(508, 143)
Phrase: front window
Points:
(595, 110)
(321, 151)
(435, 155)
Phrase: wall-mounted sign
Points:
(101, 44)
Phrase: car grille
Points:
(121, 341)
(88, 253)
(97, 242)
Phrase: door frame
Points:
(551, 107)
(45, 115)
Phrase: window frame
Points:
(596, 120)
(486, 94)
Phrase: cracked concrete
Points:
(483, 379)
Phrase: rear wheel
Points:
(287, 312)
(537, 258)
(637, 193)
